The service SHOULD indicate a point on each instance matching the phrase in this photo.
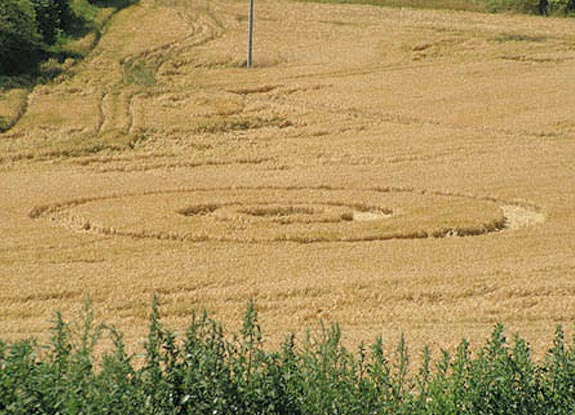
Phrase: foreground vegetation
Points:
(206, 372)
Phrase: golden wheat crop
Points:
(395, 170)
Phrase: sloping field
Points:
(393, 170)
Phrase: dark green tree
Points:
(19, 39)
(53, 16)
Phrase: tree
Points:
(53, 16)
(19, 39)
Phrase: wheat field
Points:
(394, 170)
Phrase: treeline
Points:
(541, 7)
(203, 371)
(32, 29)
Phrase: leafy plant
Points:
(207, 372)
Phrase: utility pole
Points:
(251, 34)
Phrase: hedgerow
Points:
(205, 371)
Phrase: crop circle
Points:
(273, 214)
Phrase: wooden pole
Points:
(251, 34)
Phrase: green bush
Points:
(207, 372)
(564, 7)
